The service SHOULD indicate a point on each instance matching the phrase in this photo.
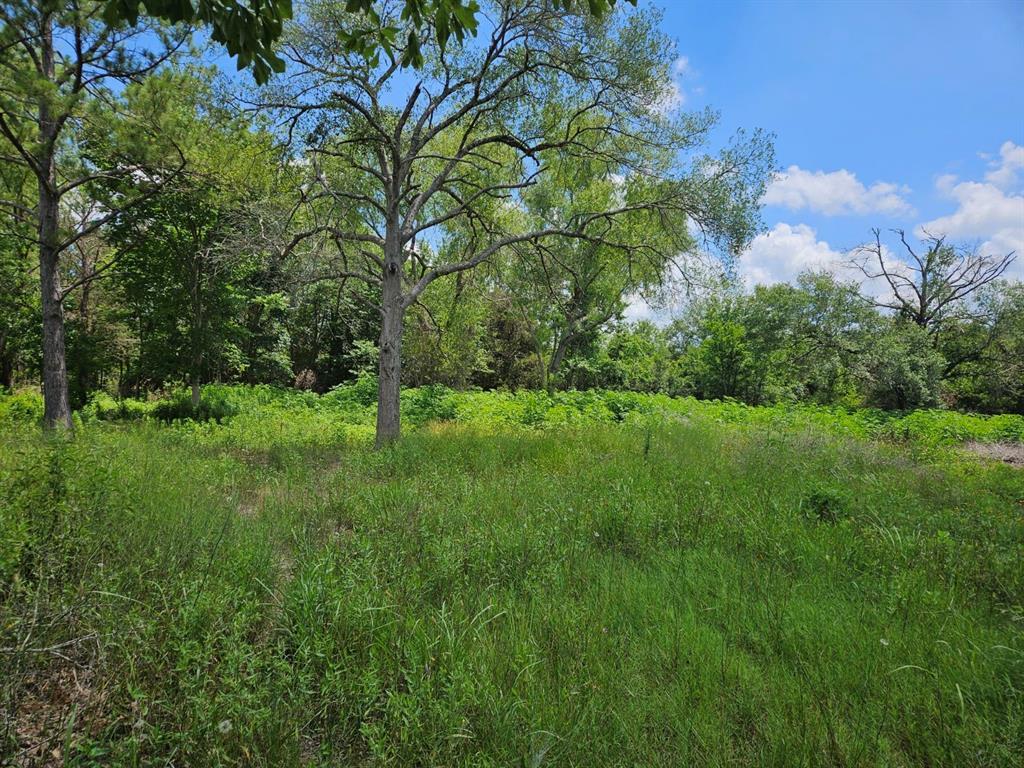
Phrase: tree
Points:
(18, 302)
(445, 333)
(18, 309)
(60, 58)
(989, 345)
(248, 30)
(189, 262)
(579, 285)
(374, 34)
(932, 286)
(807, 336)
(900, 369)
(723, 365)
(456, 154)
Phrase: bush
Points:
(434, 402)
(903, 370)
(214, 405)
(103, 407)
(21, 406)
(361, 392)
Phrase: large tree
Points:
(63, 67)
(931, 285)
(450, 153)
(189, 261)
(577, 285)
(249, 29)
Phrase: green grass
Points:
(585, 579)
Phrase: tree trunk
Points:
(56, 411)
(558, 357)
(6, 365)
(390, 370)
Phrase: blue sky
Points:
(887, 114)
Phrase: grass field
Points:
(524, 580)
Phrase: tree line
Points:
(453, 193)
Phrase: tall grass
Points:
(657, 587)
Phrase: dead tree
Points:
(934, 289)
(931, 285)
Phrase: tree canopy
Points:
(437, 192)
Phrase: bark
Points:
(390, 370)
(56, 411)
(6, 365)
(557, 358)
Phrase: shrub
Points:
(361, 392)
(214, 405)
(21, 406)
(103, 407)
(434, 402)
(903, 370)
(825, 505)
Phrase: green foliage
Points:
(214, 405)
(247, 30)
(709, 576)
(21, 406)
(434, 402)
(352, 404)
(372, 35)
(360, 392)
(902, 369)
(103, 407)
(204, 299)
(723, 365)
(825, 505)
(985, 353)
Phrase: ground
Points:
(660, 589)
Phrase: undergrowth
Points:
(525, 579)
(353, 404)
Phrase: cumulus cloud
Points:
(779, 255)
(1005, 169)
(836, 193)
(638, 309)
(988, 212)
(783, 253)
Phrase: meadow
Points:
(525, 579)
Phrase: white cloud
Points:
(638, 309)
(673, 97)
(781, 254)
(985, 213)
(989, 212)
(835, 193)
(1004, 171)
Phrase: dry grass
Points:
(1008, 453)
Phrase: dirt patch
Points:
(1008, 453)
(58, 703)
(252, 502)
